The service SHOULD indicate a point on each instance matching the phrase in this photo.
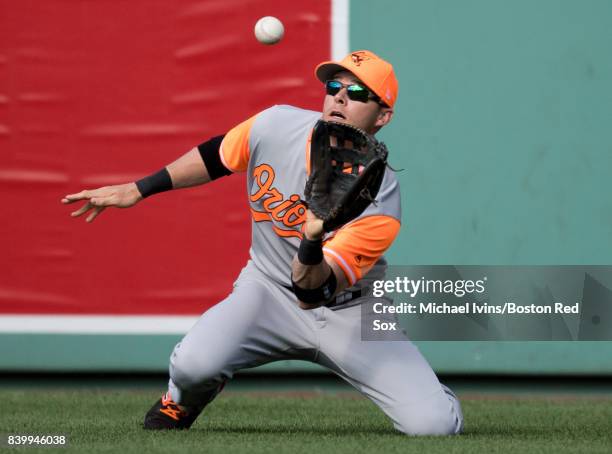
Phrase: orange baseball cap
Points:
(372, 70)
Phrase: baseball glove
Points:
(347, 167)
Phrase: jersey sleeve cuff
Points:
(350, 274)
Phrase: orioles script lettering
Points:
(290, 212)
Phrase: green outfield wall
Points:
(503, 127)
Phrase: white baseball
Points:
(269, 30)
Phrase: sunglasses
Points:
(355, 92)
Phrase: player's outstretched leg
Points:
(252, 326)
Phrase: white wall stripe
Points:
(340, 29)
(96, 324)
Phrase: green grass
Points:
(110, 421)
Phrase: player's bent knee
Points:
(440, 415)
(193, 371)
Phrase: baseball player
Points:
(299, 295)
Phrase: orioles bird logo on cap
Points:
(358, 57)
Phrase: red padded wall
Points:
(98, 92)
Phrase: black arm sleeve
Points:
(212, 159)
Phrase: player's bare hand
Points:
(97, 200)
(314, 226)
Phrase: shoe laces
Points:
(171, 408)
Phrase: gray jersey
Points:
(273, 147)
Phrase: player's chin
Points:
(336, 118)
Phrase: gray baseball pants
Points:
(260, 322)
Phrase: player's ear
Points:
(385, 115)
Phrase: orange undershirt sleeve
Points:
(234, 150)
(357, 246)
